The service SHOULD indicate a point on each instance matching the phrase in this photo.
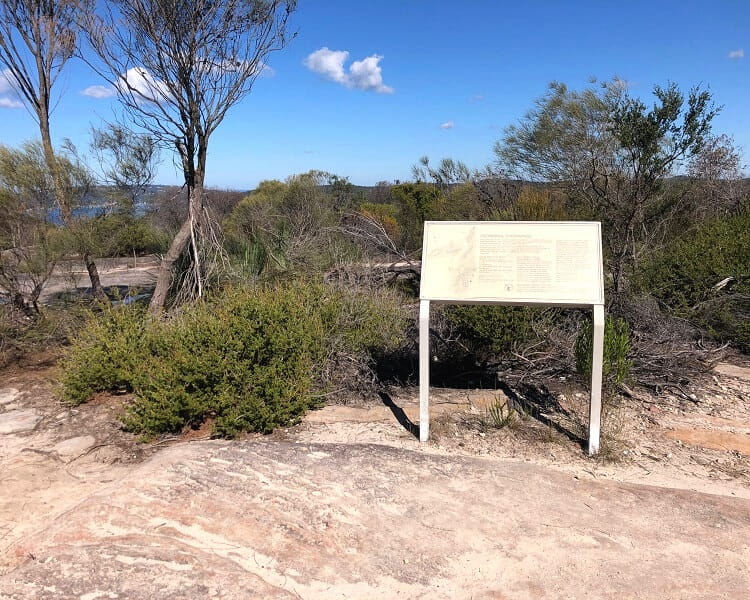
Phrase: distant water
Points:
(97, 202)
(91, 211)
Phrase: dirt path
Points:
(137, 272)
(349, 505)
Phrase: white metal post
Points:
(595, 409)
(424, 370)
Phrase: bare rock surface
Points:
(18, 421)
(74, 446)
(8, 395)
(737, 371)
(281, 519)
(348, 504)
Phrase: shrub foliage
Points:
(487, 332)
(250, 360)
(616, 365)
(704, 276)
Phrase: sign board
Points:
(512, 263)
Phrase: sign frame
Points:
(594, 299)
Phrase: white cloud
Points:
(736, 54)
(99, 91)
(137, 81)
(6, 102)
(8, 95)
(266, 70)
(364, 74)
(329, 63)
(447, 125)
(145, 87)
(476, 98)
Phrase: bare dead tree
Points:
(178, 66)
(37, 38)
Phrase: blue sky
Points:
(452, 76)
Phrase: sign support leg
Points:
(595, 409)
(424, 370)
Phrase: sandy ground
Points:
(135, 272)
(348, 504)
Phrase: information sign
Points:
(513, 263)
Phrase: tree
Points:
(613, 153)
(418, 202)
(37, 38)
(178, 67)
(127, 162)
(448, 173)
(717, 178)
(36, 41)
(29, 244)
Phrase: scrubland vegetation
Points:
(270, 301)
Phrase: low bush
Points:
(250, 360)
(135, 235)
(23, 337)
(105, 353)
(486, 332)
(704, 276)
(616, 364)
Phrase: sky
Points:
(367, 88)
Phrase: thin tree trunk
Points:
(63, 203)
(19, 303)
(176, 248)
(96, 284)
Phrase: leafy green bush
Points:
(249, 360)
(616, 366)
(288, 227)
(105, 354)
(534, 204)
(116, 235)
(490, 331)
(686, 271)
(684, 278)
(136, 235)
(385, 214)
(727, 319)
(417, 202)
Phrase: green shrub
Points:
(246, 361)
(727, 319)
(105, 353)
(385, 214)
(534, 204)
(684, 273)
(683, 277)
(500, 413)
(250, 360)
(21, 336)
(136, 235)
(417, 203)
(115, 235)
(616, 366)
(490, 331)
